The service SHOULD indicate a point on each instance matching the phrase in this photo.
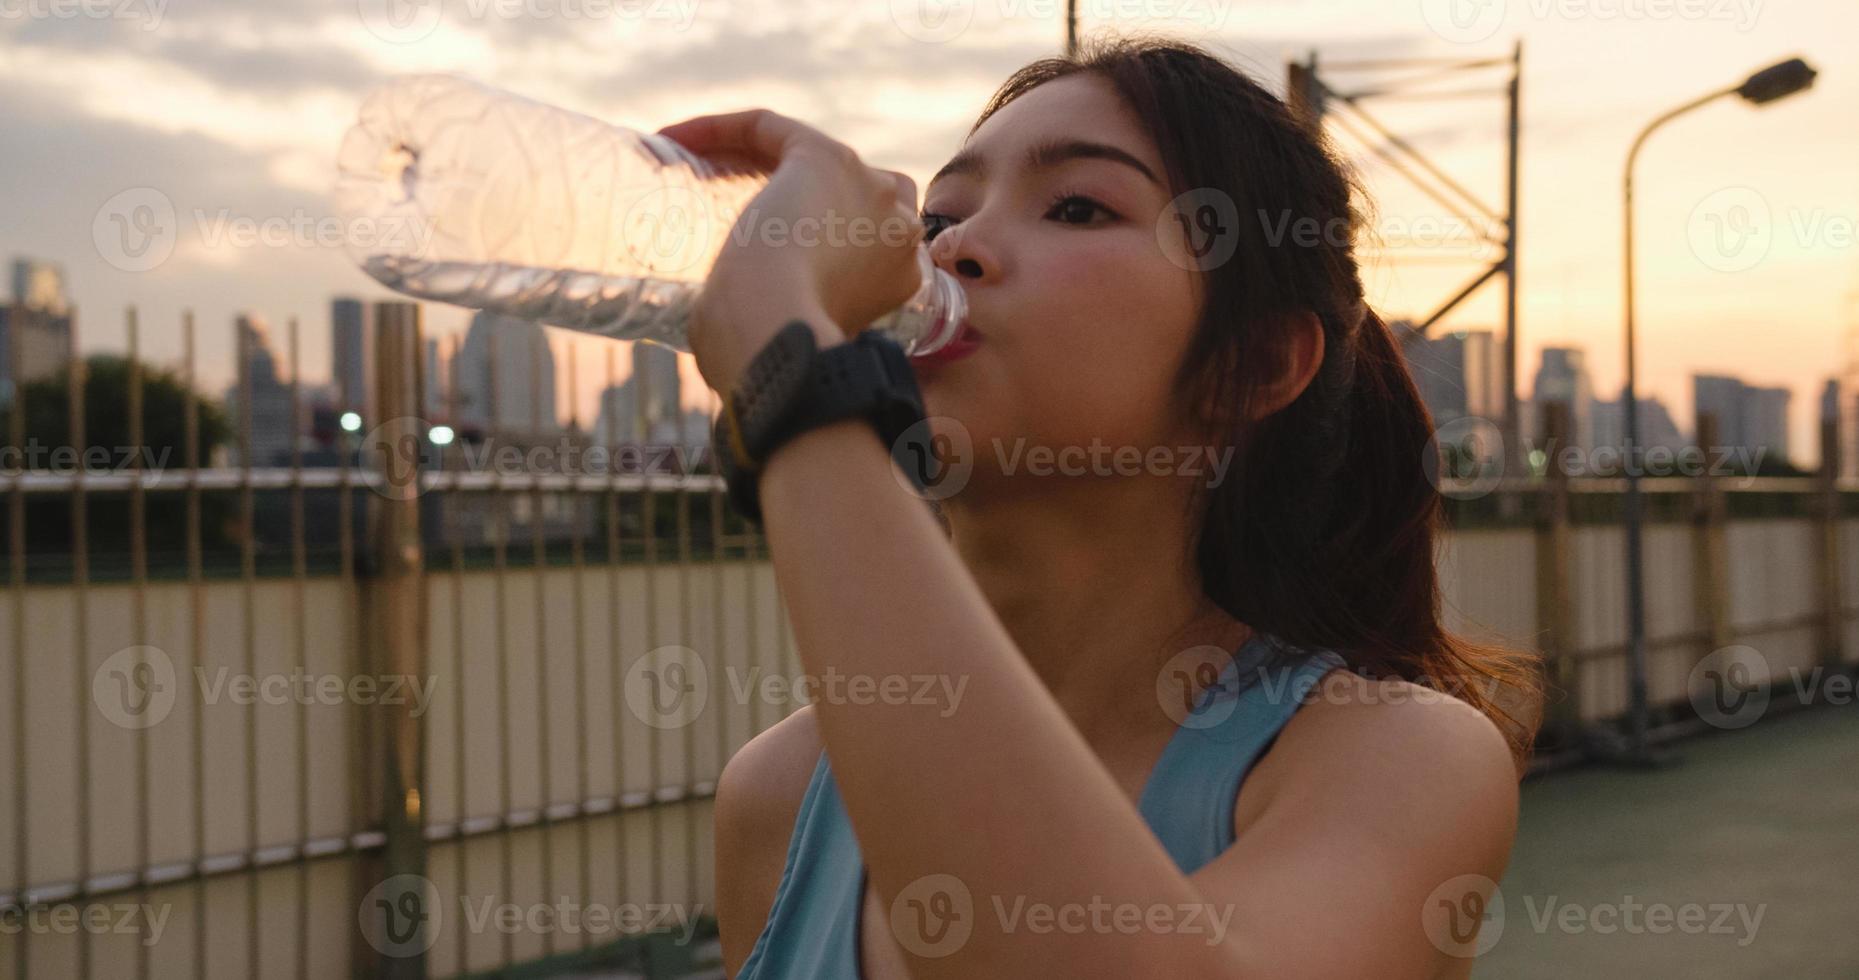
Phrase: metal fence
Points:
(450, 722)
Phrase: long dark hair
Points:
(1325, 536)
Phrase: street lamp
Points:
(1772, 83)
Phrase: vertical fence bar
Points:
(1555, 597)
(196, 630)
(454, 536)
(397, 607)
(615, 568)
(1832, 617)
(80, 582)
(540, 426)
(248, 574)
(138, 613)
(577, 569)
(1711, 581)
(299, 572)
(16, 580)
(354, 657)
(649, 527)
(500, 536)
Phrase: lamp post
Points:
(1772, 83)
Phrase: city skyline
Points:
(239, 149)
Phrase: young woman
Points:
(1085, 789)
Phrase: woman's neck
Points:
(1098, 590)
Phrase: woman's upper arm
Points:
(758, 798)
(1354, 828)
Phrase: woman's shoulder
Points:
(758, 798)
(1363, 741)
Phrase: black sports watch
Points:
(792, 386)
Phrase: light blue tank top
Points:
(812, 930)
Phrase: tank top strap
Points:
(1188, 800)
(810, 928)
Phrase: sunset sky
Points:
(233, 109)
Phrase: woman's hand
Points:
(829, 240)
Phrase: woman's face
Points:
(1082, 316)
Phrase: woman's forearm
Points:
(967, 767)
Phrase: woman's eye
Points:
(1076, 209)
(934, 224)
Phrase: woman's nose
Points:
(956, 252)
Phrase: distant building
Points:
(40, 286)
(273, 423)
(1459, 374)
(523, 378)
(1656, 426)
(348, 350)
(42, 315)
(645, 408)
(1748, 417)
(1563, 378)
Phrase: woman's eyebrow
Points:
(1046, 154)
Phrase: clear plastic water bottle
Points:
(492, 201)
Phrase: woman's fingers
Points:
(760, 135)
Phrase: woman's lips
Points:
(964, 344)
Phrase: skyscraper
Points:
(523, 379)
(348, 348)
(1563, 377)
(1748, 417)
(39, 285)
(1459, 374)
(42, 314)
(645, 408)
(273, 422)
